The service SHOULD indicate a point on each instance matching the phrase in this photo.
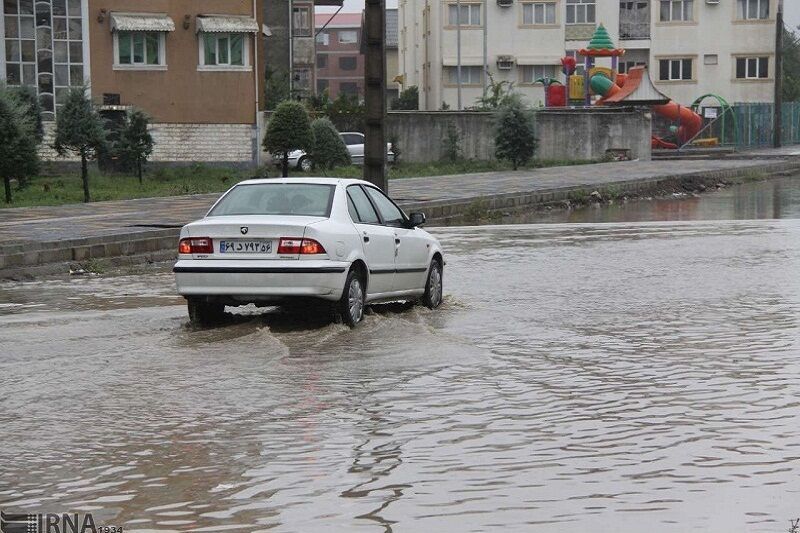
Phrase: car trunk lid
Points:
(250, 237)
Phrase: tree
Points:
(329, 149)
(79, 130)
(514, 137)
(408, 99)
(791, 66)
(135, 141)
(451, 143)
(18, 147)
(497, 94)
(27, 97)
(276, 87)
(347, 113)
(289, 129)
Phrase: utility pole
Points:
(458, 50)
(777, 133)
(485, 21)
(375, 93)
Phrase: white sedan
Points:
(305, 240)
(353, 140)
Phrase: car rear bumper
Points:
(261, 280)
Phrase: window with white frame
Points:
(469, 75)
(139, 49)
(224, 50)
(536, 13)
(470, 14)
(581, 11)
(531, 73)
(752, 68)
(323, 38)
(675, 69)
(677, 10)
(753, 9)
(348, 37)
(301, 21)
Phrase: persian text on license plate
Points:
(239, 246)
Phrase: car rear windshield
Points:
(301, 199)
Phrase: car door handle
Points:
(366, 238)
(397, 240)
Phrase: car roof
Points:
(310, 179)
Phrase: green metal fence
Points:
(754, 123)
(742, 125)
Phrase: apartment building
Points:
(290, 45)
(193, 65)
(339, 63)
(692, 47)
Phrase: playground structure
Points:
(606, 86)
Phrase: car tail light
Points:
(296, 245)
(196, 245)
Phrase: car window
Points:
(304, 199)
(350, 139)
(365, 213)
(392, 216)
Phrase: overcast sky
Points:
(792, 8)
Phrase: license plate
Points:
(239, 246)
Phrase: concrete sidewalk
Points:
(30, 237)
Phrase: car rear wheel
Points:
(351, 306)
(434, 288)
(203, 313)
(305, 164)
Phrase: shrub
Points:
(289, 129)
(135, 142)
(498, 94)
(329, 149)
(79, 130)
(451, 144)
(347, 113)
(407, 100)
(18, 147)
(514, 132)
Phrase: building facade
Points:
(692, 47)
(339, 63)
(193, 65)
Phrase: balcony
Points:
(634, 20)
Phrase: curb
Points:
(43, 258)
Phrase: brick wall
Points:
(184, 143)
(229, 143)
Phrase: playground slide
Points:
(690, 123)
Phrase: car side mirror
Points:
(416, 218)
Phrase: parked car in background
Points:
(355, 145)
(312, 241)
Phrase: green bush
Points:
(408, 99)
(514, 137)
(451, 144)
(289, 129)
(329, 150)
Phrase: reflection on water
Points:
(595, 377)
(774, 198)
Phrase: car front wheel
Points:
(203, 313)
(351, 306)
(305, 164)
(434, 287)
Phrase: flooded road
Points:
(580, 377)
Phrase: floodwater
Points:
(598, 377)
